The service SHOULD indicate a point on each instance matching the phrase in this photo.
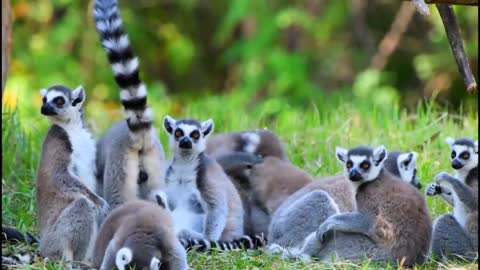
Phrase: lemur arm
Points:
(175, 258)
(444, 192)
(464, 193)
(353, 222)
(216, 217)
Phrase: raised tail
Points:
(116, 43)
(244, 242)
(10, 234)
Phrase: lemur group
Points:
(117, 202)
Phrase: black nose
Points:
(355, 175)
(456, 164)
(48, 110)
(185, 143)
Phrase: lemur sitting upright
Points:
(69, 211)
(457, 234)
(203, 200)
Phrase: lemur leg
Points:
(449, 237)
(353, 222)
(303, 217)
(216, 219)
(465, 194)
(444, 192)
(109, 256)
(70, 236)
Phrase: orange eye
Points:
(59, 101)
(196, 135)
(178, 133)
(365, 166)
(349, 164)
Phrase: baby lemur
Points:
(381, 228)
(457, 233)
(203, 200)
(69, 211)
(130, 158)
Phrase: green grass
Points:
(311, 134)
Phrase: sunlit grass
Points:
(310, 133)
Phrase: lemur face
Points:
(362, 164)
(187, 136)
(407, 168)
(59, 102)
(464, 153)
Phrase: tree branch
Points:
(452, 2)
(455, 39)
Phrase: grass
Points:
(311, 134)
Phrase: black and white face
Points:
(464, 153)
(61, 103)
(362, 164)
(139, 257)
(187, 136)
(407, 167)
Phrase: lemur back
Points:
(130, 157)
(69, 211)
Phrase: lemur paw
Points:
(189, 234)
(323, 232)
(433, 189)
(442, 177)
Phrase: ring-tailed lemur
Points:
(203, 200)
(130, 157)
(381, 228)
(139, 234)
(260, 142)
(457, 233)
(11, 234)
(69, 211)
(308, 204)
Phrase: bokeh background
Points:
(265, 56)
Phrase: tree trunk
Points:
(6, 40)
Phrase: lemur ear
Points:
(341, 154)
(476, 146)
(123, 257)
(450, 141)
(155, 263)
(168, 124)
(78, 96)
(43, 92)
(207, 127)
(379, 155)
(407, 159)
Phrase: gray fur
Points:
(146, 230)
(449, 238)
(69, 211)
(197, 185)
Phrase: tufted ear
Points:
(168, 124)
(124, 256)
(408, 159)
(341, 154)
(379, 155)
(155, 264)
(78, 96)
(476, 146)
(450, 141)
(43, 92)
(207, 127)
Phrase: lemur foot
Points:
(433, 189)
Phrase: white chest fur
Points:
(183, 194)
(83, 156)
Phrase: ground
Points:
(310, 133)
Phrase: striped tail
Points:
(10, 234)
(115, 41)
(244, 242)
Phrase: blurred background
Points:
(257, 54)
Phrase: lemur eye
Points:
(178, 133)
(465, 155)
(349, 164)
(195, 135)
(365, 165)
(59, 101)
(453, 155)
